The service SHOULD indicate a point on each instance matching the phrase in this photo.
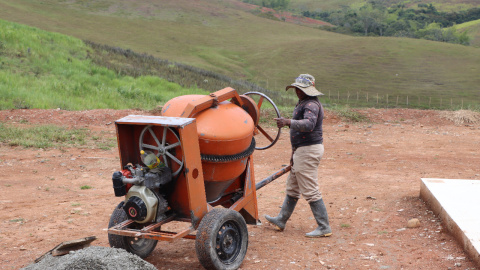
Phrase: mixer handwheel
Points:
(259, 100)
(222, 239)
(162, 148)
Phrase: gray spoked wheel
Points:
(259, 100)
(222, 239)
(138, 246)
(162, 148)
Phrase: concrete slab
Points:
(457, 202)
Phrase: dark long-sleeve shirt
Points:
(306, 124)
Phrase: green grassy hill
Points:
(40, 69)
(473, 29)
(217, 36)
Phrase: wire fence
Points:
(377, 100)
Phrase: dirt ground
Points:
(369, 177)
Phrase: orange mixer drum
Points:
(225, 135)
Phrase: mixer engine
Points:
(144, 201)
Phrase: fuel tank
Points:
(225, 133)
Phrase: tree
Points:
(365, 15)
(463, 38)
(337, 18)
(379, 18)
(431, 32)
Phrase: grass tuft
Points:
(44, 136)
(48, 136)
(17, 220)
(348, 114)
(462, 117)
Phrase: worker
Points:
(306, 137)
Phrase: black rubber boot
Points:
(320, 213)
(287, 209)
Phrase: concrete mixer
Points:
(191, 164)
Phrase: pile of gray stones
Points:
(93, 257)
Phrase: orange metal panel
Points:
(195, 187)
(188, 198)
(247, 205)
(178, 198)
(129, 129)
(250, 107)
(250, 213)
(211, 100)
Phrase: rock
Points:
(413, 223)
(76, 210)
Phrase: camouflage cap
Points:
(306, 83)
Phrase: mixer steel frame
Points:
(187, 198)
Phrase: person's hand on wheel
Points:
(281, 122)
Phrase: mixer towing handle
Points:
(272, 177)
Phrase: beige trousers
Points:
(303, 178)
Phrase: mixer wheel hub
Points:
(228, 240)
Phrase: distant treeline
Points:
(130, 63)
(376, 19)
(275, 4)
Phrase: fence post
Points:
(367, 97)
(407, 101)
(387, 101)
(377, 98)
(396, 104)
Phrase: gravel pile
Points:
(94, 257)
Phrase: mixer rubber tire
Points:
(222, 239)
(138, 246)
